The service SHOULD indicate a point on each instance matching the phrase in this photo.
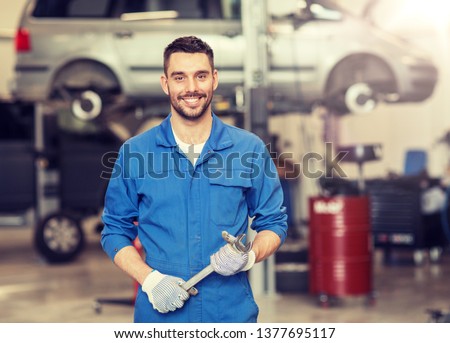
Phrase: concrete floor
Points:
(32, 291)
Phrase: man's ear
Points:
(215, 79)
(163, 82)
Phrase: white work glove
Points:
(164, 291)
(228, 260)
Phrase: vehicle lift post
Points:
(47, 176)
(254, 23)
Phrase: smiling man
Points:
(190, 89)
(183, 183)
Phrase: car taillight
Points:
(23, 43)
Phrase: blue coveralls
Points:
(182, 210)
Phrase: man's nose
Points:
(191, 85)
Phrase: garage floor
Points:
(33, 291)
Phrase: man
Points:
(183, 183)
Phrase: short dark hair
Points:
(188, 44)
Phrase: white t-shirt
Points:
(192, 151)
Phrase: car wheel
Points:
(59, 238)
(360, 98)
(357, 83)
(87, 106)
(88, 87)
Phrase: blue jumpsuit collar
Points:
(219, 138)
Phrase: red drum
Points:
(340, 246)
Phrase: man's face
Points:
(190, 84)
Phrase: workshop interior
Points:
(350, 97)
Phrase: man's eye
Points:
(202, 76)
(179, 78)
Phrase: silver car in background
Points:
(97, 55)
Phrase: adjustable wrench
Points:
(188, 286)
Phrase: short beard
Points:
(185, 115)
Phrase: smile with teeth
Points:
(192, 100)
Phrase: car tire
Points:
(59, 238)
(356, 83)
(88, 87)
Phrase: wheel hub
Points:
(61, 235)
(360, 98)
(88, 106)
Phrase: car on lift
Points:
(99, 55)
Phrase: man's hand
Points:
(228, 260)
(164, 291)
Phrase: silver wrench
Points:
(188, 286)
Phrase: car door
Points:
(145, 27)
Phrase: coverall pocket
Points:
(228, 199)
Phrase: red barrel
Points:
(340, 246)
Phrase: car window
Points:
(139, 9)
(231, 9)
(85, 8)
(305, 10)
(181, 9)
(324, 11)
(72, 9)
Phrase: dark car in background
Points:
(99, 54)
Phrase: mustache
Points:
(192, 95)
